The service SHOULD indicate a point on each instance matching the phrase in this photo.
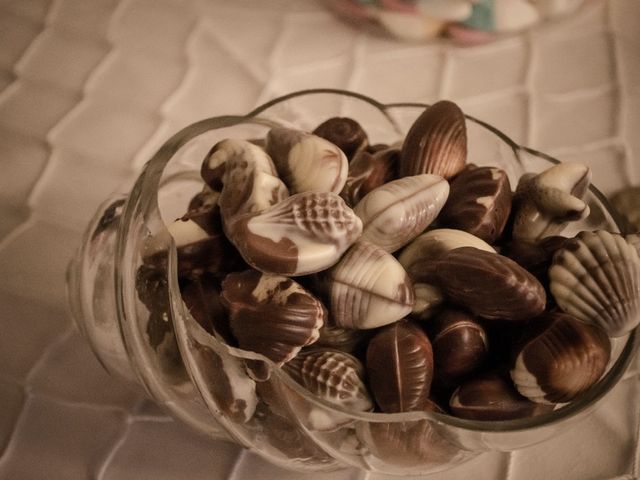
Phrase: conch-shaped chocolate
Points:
(369, 288)
(368, 171)
(400, 368)
(307, 162)
(436, 142)
(596, 278)
(334, 376)
(489, 285)
(395, 213)
(306, 233)
(345, 133)
(250, 180)
(545, 203)
(479, 202)
(560, 358)
(271, 315)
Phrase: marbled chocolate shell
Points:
(395, 213)
(479, 202)
(545, 203)
(559, 359)
(489, 285)
(271, 315)
(307, 162)
(368, 171)
(306, 233)
(400, 368)
(369, 289)
(334, 376)
(596, 278)
(436, 142)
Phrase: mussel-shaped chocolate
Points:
(596, 278)
(368, 171)
(306, 233)
(397, 212)
(271, 315)
(479, 202)
(492, 397)
(334, 376)
(307, 162)
(369, 288)
(546, 202)
(400, 368)
(436, 142)
(489, 285)
(560, 358)
(431, 245)
(345, 133)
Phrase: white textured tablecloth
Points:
(88, 89)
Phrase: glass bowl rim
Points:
(141, 198)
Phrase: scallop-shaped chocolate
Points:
(397, 212)
(368, 171)
(421, 253)
(271, 315)
(368, 289)
(400, 368)
(545, 203)
(306, 233)
(489, 285)
(491, 397)
(436, 142)
(307, 162)
(334, 376)
(596, 278)
(560, 358)
(479, 202)
(344, 132)
(634, 241)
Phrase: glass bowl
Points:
(203, 382)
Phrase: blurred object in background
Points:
(468, 22)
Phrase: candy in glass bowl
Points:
(333, 282)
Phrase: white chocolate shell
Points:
(397, 212)
(369, 289)
(547, 202)
(596, 278)
(433, 244)
(307, 162)
(306, 233)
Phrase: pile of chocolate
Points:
(399, 278)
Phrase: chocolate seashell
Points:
(271, 315)
(460, 344)
(306, 233)
(479, 202)
(400, 368)
(368, 171)
(345, 133)
(368, 289)
(202, 299)
(534, 257)
(420, 254)
(560, 358)
(307, 162)
(627, 203)
(395, 213)
(429, 299)
(334, 376)
(343, 339)
(251, 183)
(634, 240)
(489, 285)
(436, 142)
(491, 397)
(205, 200)
(407, 444)
(545, 203)
(596, 278)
